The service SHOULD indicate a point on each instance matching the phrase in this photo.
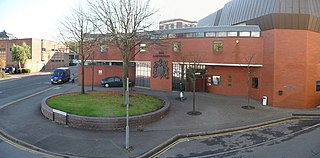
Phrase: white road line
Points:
(27, 97)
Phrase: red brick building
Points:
(281, 37)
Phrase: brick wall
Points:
(105, 71)
(99, 123)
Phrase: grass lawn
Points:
(104, 104)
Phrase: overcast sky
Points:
(40, 18)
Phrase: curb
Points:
(177, 137)
(305, 115)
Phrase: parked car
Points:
(10, 70)
(60, 75)
(113, 81)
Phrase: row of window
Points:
(208, 34)
(217, 46)
(2, 49)
(44, 49)
(215, 80)
(57, 61)
(131, 64)
(176, 47)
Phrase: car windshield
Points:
(57, 73)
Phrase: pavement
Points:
(13, 76)
(25, 124)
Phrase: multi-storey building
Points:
(45, 55)
(176, 24)
(272, 45)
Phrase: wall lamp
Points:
(237, 41)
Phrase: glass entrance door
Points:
(143, 73)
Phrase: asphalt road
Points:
(290, 139)
(17, 90)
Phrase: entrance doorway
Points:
(182, 74)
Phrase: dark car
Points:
(113, 82)
(10, 70)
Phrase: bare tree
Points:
(74, 29)
(191, 65)
(248, 69)
(122, 21)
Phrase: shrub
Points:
(26, 70)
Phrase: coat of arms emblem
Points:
(160, 69)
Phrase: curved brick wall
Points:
(102, 123)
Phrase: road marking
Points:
(16, 145)
(57, 87)
(27, 97)
(190, 138)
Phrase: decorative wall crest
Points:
(160, 69)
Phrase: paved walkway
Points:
(24, 122)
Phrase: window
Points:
(255, 34)
(317, 86)
(232, 34)
(176, 46)
(172, 26)
(221, 34)
(173, 35)
(200, 34)
(244, 34)
(218, 46)
(163, 36)
(210, 34)
(43, 49)
(215, 80)
(190, 35)
(255, 82)
(104, 49)
(116, 63)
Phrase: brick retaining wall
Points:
(103, 123)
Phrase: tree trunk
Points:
(82, 77)
(248, 81)
(194, 95)
(92, 83)
(125, 74)
(19, 64)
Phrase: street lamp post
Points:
(127, 114)
(142, 48)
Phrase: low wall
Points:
(103, 123)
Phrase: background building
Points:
(45, 55)
(176, 24)
(278, 41)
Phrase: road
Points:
(16, 90)
(292, 139)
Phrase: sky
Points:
(41, 18)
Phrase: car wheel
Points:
(106, 85)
